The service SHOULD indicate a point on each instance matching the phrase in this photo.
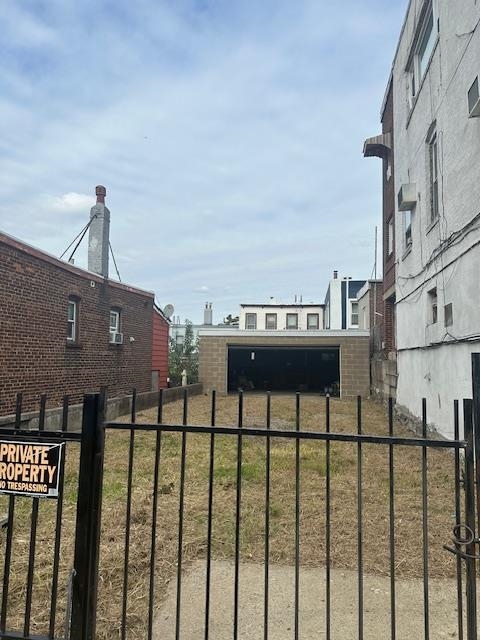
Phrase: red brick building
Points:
(384, 361)
(160, 326)
(66, 330)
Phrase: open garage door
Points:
(314, 369)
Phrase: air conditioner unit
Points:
(116, 338)
(407, 196)
(473, 100)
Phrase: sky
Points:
(228, 134)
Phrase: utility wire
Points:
(114, 261)
(82, 234)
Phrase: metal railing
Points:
(240, 433)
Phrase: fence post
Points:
(476, 427)
(87, 536)
(471, 570)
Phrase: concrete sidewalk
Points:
(409, 593)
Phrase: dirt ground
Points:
(344, 611)
(375, 491)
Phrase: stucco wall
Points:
(354, 357)
(442, 256)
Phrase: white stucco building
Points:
(281, 317)
(437, 221)
(341, 304)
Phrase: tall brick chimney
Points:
(99, 235)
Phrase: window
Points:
(425, 45)
(179, 339)
(389, 169)
(420, 57)
(448, 312)
(408, 229)
(390, 237)
(115, 335)
(72, 320)
(312, 320)
(292, 320)
(433, 169)
(354, 314)
(433, 309)
(250, 321)
(270, 321)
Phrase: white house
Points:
(341, 304)
(178, 328)
(281, 317)
(437, 221)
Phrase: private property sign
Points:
(30, 468)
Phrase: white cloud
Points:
(71, 203)
(229, 139)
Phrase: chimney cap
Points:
(100, 192)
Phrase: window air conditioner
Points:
(473, 100)
(407, 197)
(116, 338)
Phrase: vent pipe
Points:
(208, 314)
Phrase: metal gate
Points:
(463, 543)
(81, 613)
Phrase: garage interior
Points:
(304, 369)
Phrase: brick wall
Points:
(35, 357)
(388, 196)
(389, 324)
(354, 359)
(160, 349)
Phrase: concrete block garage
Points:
(337, 361)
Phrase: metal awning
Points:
(378, 146)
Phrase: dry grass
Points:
(408, 521)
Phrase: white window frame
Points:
(352, 314)
(294, 316)
(72, 323)
(115, 325)
(433, 306)
(270, 317)
(407, 222)
(433, 175)
(250, 321)
(316, 316)
(424, 48)
(390, 238)
(448, 314)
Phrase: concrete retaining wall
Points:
(116, 407)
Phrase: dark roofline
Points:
(160, 313)
(10, 241)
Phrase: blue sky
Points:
(228, 134)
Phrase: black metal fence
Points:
(463, 541)
(80, 612)
(29, 528)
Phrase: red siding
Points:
(160, 348)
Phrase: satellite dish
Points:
(168, 310)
